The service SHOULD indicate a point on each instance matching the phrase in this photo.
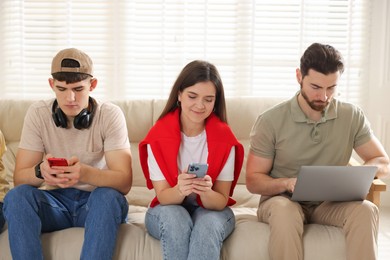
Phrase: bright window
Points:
(139, 47)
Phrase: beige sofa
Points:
(248, 241)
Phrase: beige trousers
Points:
(358, 219)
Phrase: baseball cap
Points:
(82, 58)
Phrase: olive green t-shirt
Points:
(284, 134)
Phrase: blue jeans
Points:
(189, 232)
(30, 211)
(2, 220)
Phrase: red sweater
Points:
(164, 139)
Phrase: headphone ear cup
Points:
(55, 119)
(59, 118)
(82, 120)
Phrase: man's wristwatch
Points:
(38, 173)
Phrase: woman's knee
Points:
(168, 218)
(215, 224)
(174, 216)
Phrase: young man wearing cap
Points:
(93, 138)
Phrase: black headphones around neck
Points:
(81, 121)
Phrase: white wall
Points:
(378, 106)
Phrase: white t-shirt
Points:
(192, 150)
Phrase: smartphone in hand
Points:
(200, 169)
(57, 161)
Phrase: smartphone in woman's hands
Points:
(199, 169)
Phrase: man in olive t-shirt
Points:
(313, 128)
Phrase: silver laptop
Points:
(333, 183)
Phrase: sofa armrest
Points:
(376, 188)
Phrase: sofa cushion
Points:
(250, 237)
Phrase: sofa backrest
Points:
(140, 116)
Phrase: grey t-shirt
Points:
(286, 135)
(107, 132)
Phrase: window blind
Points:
(139, 47)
